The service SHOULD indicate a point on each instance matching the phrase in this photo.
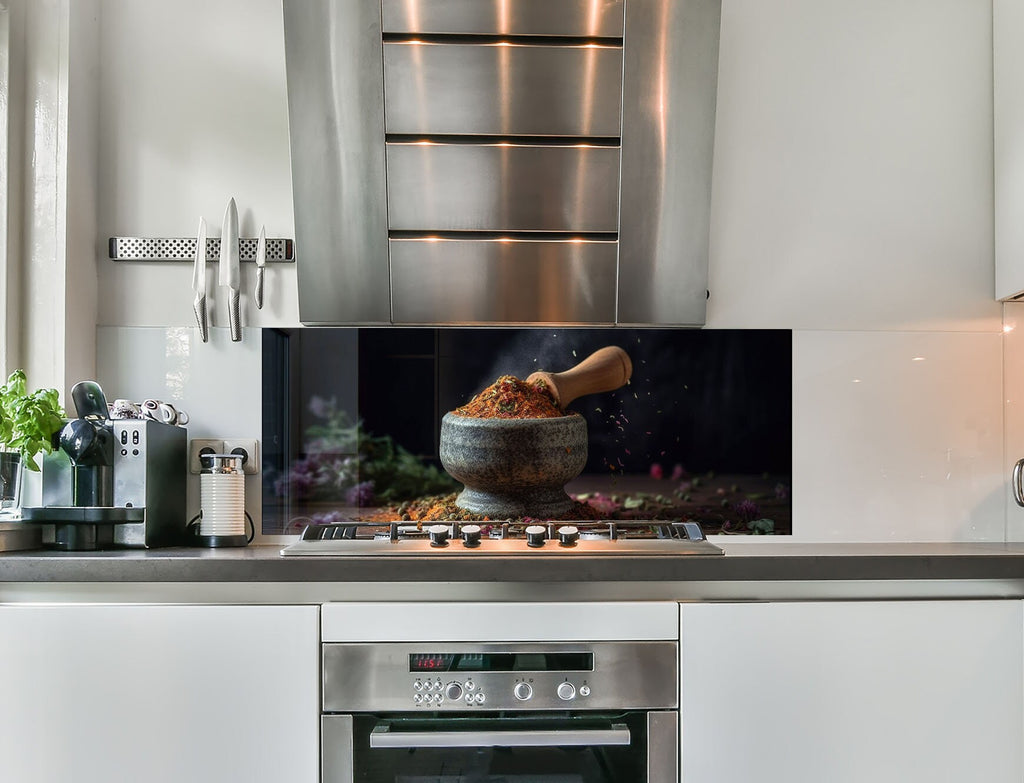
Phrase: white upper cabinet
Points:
(1008, 130)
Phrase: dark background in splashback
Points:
(707, 400)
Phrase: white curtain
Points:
(48, 159)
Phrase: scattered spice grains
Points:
(511, 398)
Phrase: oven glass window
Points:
(477, 757)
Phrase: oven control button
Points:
(584, 690)
(417, 699)
(453, 691)
(471, 535)
(566, 691)
(469, 699)
(479, 698)
(438, 698)
(417, 686)
(523, 691)
(568, 535)
(535, 535)
(470, 685)
(438, 535)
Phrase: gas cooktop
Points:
(465, 539)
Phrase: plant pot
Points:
(11, 469)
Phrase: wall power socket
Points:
(249, 448)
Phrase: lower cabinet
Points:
(852, 692)
(203, 694)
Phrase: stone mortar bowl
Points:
(514, 467)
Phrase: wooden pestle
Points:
(606, 369)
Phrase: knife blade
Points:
(199, 282)
(229, 274)
(261, 262)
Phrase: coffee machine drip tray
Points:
(89, 515)
(82, 528)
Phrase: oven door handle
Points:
(383, 737)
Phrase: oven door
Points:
(630, 747)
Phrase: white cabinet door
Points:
(196, 694)
(1008, 150)
(880, 692)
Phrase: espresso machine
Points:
(112, 483)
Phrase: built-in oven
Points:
(517, 712)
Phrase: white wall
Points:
(852, 203)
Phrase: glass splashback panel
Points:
(703, 429)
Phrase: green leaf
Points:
(28, 421)
(762, 526)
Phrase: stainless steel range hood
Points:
(502, 162)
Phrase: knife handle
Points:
(258, 293)
(235, 317)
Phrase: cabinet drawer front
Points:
(502, 89)
(503, 281)
(499, 17)
(502, 187)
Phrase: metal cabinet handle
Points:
(1018, 487)
(383, 737)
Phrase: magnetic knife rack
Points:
(279, 251)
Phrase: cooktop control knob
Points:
(523, 691)
(568, 535)
(471, 535)
(535, 535)
(453, 691)
(438, 535)
(566, 691)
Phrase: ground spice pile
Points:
(510, 398)
(442, 508)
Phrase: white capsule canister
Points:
(222, 500)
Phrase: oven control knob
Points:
(523, 691)
(535, 535)
(438, 535)
(453, 691)
(471, 535)
(566, 691)
(568, 535)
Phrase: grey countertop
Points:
(743, 562)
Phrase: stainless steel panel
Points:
(595, 18)
(502, 89)
(502, 187)
(336, 749)
(336, 127)
(669, 93)
(376, 677)
(495, 281)
(662, 747)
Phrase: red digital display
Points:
(430, 662)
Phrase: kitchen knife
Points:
(229, 275)
(261, 262)
(199, 282)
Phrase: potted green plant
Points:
(28, 423)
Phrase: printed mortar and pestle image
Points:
(519, 467)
